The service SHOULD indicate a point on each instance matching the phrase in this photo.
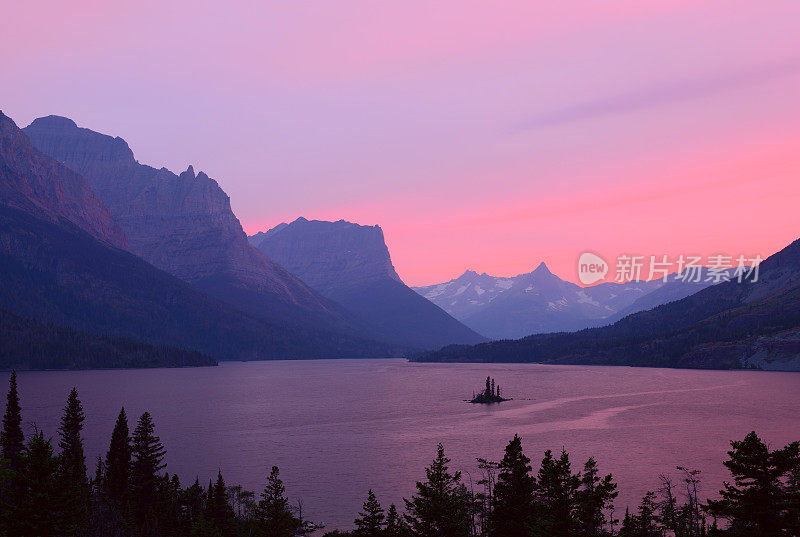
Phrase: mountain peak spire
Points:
(542, 269)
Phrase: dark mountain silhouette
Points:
(59, 274)
(184, 225)
(60, 270)
(351, 265)
(729, 325)
(39, 185)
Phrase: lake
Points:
(339, 427)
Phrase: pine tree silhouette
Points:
(116, 480)
(442, 506)
(73, 481)
(148, 461)
(395, 527)
(275, 516)
(12, 441)
(370, 522)
(39, 513)
(513, 493)
(594, 498)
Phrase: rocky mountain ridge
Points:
(540, 302)
(37, 184)
(183, 224)
(64, 275)
(350, 264)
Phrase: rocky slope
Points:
(36, 183)
(183, 224)
(351, 265)
(59, 267)
(540, 302)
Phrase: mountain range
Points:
(540, 302)
(350, 264)
(65, 263)
(104, 251)
(184, 225)
(747, 324)
(107, 262)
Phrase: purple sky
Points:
(483, 136)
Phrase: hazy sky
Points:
(482, 135)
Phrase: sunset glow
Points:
(478, 139)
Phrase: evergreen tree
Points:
(753, 504)
(218, 509)
(556, 491)
(12, 450)
(170, 517)
(513, 506)
(12, 441)
(646, 521)
(116, 481)
(38, 514)
(73, 480)
(370, 521)
(193, 501)
(594, 498)
(628, 527)
(148, 461)
(394, 523)
(99, 470)
(791, 455)
(442, 506)
(275, 516)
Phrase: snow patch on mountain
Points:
(540, 301)
(586, 299)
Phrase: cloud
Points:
(654, 96)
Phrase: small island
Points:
(489, 395)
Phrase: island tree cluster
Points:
(46, 492)
(491, 394)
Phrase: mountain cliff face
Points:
(540, 302)
(182, 224)
(729, 325)
(351, 265)
(59, 267)
(41, 186)
(327, 254)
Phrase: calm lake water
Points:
(339, 427)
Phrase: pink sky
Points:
(482, 136)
